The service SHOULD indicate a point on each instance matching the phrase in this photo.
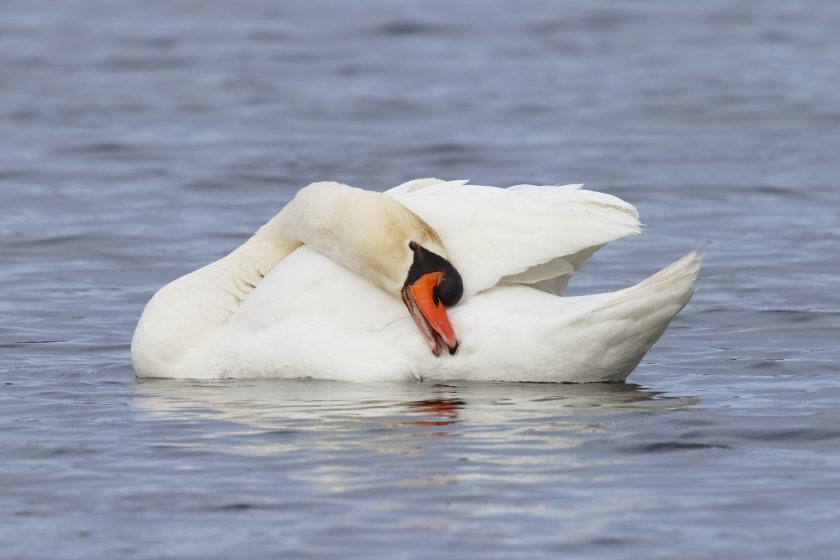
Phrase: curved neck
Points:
(185, 314)
(364, 231)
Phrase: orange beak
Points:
(429, 314)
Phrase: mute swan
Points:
(331, 309)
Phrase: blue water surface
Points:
(141, 140)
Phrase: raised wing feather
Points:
(528, 234)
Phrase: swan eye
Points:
(412, 245)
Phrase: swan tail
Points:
(679, 275)
(627, 323)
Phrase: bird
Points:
(347, 284)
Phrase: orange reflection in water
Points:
(447, 408)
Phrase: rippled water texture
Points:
(139, 140)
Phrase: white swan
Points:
(273, 308)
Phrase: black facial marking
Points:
(451, 287)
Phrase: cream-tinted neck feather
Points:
(366, 232)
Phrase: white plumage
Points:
(515, 249)
(524, 233)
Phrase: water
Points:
(139, 141)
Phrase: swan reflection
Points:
(345, 437)
(399, 410)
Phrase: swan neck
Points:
(186, 314)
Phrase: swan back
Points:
(526, 234)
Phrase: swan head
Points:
(378, 238)
(431, 285)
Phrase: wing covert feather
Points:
(529, 234)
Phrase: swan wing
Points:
(526, 234)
